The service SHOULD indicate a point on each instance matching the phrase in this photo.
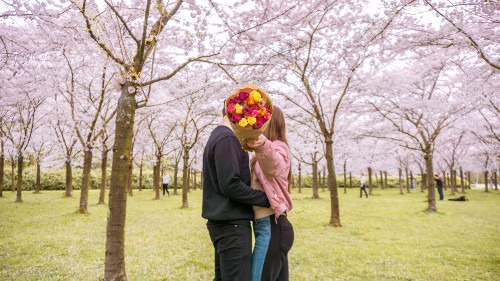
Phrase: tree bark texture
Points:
(185, 179)
(431, 191)
(324, 180)
(332, 185)
(468, 179)
(84, 192)
(104, 164)
(350, 180)
(114, 264)
(129, 179)
(157, 179)
(315, 180)
(19, 196)
(69, 179)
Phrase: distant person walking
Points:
(413, 183)
(439, 184)
(166, 180)
(362, 182)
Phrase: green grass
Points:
(385, 237)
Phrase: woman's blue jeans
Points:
(262, 232)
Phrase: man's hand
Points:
(257, 142)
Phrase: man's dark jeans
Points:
(440, 191)
(233, 251)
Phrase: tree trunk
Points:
(185, 179)
(315, 180)
(376, 179)
(381, 180)
(38, 176)
(324, 179)
(495, 178)
(194, 179)
(320, 183)
(104, 163)
(486, 189)
(452, 187)
(445, 181)
(350, 180)
(155, 184)
(69, 179)
(411, 180)
(12, 173)
(157, 178)
(300, 178)
(462, 186)
(140, 176)
(369, 181)
(332, 185)
(84, 192)
(176, 170)
(129, 178)
(114, 264)
(385, 180)
(2, 162)
(455, 182)
(345, 177)
(431, 191)
(400, 181)
(19, 196)
(407, 181)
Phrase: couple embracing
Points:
(237, 191)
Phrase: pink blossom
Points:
(254, 113)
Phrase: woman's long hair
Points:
(276, 130)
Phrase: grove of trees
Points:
(398, 87)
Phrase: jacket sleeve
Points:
(227, 155)
(273, 158)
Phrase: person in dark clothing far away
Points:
(227, 203)
(439, 185)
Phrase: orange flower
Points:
(262, 111)
(249, 101)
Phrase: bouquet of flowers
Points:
(249, 109)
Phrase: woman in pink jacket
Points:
(271, 173)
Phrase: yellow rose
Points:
(238, 108)
(251, 120)
(256, 96)
(243, 122)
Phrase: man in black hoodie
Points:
(227, 203)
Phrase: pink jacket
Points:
(272, 168)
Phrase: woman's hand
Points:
(257, 142)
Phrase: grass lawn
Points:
(385, 237)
